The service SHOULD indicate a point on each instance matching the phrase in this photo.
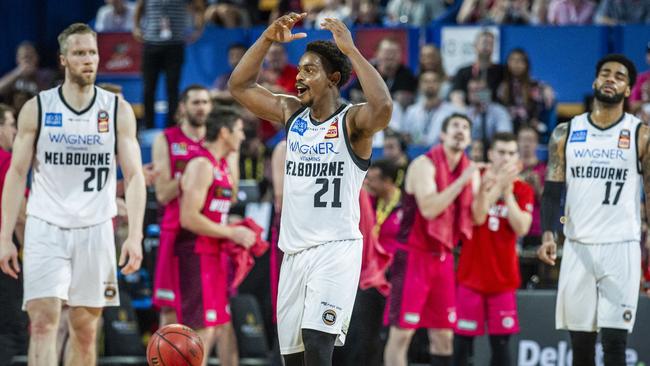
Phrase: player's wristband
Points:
(550, 205)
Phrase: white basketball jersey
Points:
(322, 180)
(73, 178)
(603, 179)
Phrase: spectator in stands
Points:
(395, 147)
(417, 13)
(539, 10)
(115, 16)
(423, 119)
(475, 11)
(220, 86)
(527, 100)
(278, 73)
(570, 12)
(398, 77)
(635, 97)
(487, 116)
(431, 60)
(533, 173)
(512, 12)
(368, 15)
(643, 106)
(617, 12)
(482, 68)
(228, 13)
(164, 37)
(26, 79)
(336, 9)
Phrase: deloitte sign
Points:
(539, 344)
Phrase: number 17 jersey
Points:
(603, 179)
(73, 179)
(322, 181)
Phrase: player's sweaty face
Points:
(311, 80)
(612, 80)
(81, 58)
(458, 134)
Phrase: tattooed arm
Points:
(643, 146)
(552, 193)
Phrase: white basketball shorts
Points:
(77, 266)
(316, 291)
(599, 286)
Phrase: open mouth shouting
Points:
(302, 89)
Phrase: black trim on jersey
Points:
(117, 101)
(566, 144)
(363, 164)
(605, 129)
(295, 114)
(40, 119)
(639, 169)
(78, 113)
(318, 123)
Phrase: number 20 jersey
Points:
(322, 181)
(73, 178)
(603, 179)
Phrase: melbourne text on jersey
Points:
(86, 159)
(331, 169)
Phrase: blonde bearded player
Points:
(72, 133)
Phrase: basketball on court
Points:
(175, 344)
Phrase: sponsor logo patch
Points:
(627, 315)
(411, 318)
(333, 130)
(109, 292)
(624, 139)
(179, 148)
(578, 136)
(53, 119)
(329, 317)
(508, 322)
(211, 315)
(102, 121)
(299, 126)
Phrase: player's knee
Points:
(614, 342)
(44, 320)
(400, 338)
(441, 342)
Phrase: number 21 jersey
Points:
(603, 180)
(73, 179)
(322, 181)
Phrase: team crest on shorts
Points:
(329, 317)
(624, 139)
(333, 130)
(102, 121)
(627, 315)
(110, 291)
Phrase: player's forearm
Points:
(373, 86)
(135, 196)
(247, 70)
(436, 202)
(166, 191)
(518, 219)
(12, 196)
(199, 224)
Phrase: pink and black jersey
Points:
(181, 149)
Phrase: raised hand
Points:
(280, 29)
(341, 34)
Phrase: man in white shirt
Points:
(423, 119)
(115, 16)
